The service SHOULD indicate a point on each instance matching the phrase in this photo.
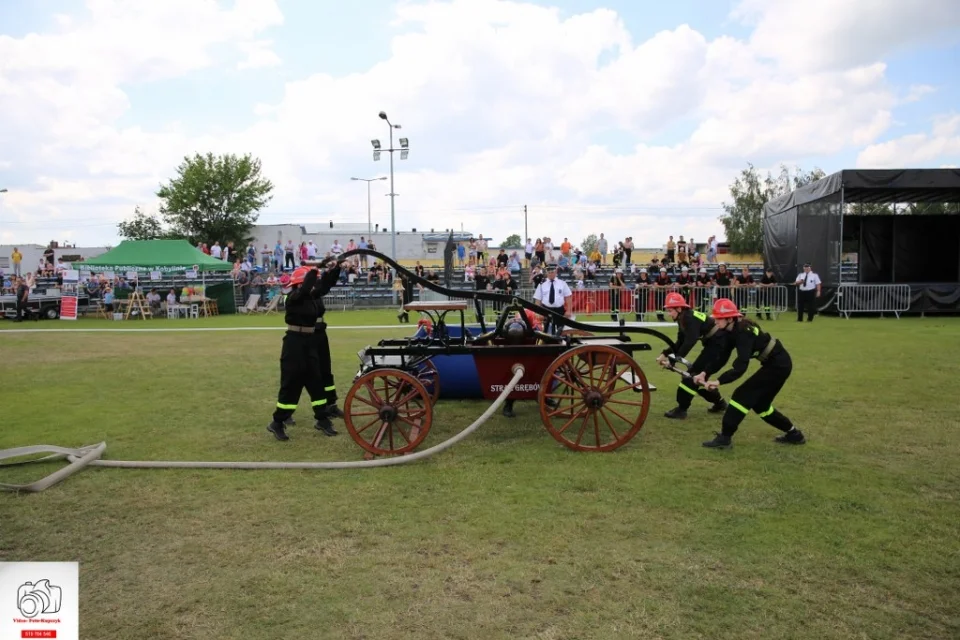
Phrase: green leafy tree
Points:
(588, 244)
(743, 219)
(143, 227)
(512, 242)
(215, 198)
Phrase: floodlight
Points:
(383, 115)
(383, 178)
(404, 143)
(403, 154)
(375, 143)
(376, 156)
(3, 190)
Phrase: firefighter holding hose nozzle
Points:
(299, 362)
(760, 389)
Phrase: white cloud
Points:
(503, 102)
(917, 149)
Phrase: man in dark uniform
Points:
(703, 284)
(299, 363)
(480, 280)
(23, 295)
(323, 391)
(448, 252)
(760, 389)
(694, 326)
(765, 292)
(685, 281)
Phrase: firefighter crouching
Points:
(299, 362)
(694, 326)
(760, 389)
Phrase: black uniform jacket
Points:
(322, 287)
(749, 341)
(301, 308)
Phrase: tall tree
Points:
(142, 227)
(743, 219)
(215, 198)
(588, 244)
(512, 242)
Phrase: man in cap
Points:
(808, 290)
(554, 294)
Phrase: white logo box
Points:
(40, 600)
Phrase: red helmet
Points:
(725, 308)
(675, 300)
(298, 275)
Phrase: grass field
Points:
(508, 534)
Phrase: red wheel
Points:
(429, 377)
(388, 412)
(591, 410)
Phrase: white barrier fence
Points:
(647, 302)
(873, 298)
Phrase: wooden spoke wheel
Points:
(426, 372)
(388, 412)
(584, 399)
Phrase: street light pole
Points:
(404, 151)
(369, 221)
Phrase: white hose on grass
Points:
(89, 456)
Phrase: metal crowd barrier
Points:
(873, 298)
(647, 303)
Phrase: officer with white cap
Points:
(808, 290)
(555, 295)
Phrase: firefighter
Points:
(323, 390)
(693, 326)
(299, 363)
(760, 389)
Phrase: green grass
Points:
(508, 534)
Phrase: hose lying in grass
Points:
(89, 456)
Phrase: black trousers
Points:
(705, 362)
(641, 298)
(806, 300)
(299, 370)
(22, 311)
(757, 394)
(326, 389)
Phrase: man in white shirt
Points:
(555, 295)
(808, 290)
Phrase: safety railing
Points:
(647, 302)
(873, 298)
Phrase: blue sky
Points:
(504, 106)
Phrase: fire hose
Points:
(90, 455)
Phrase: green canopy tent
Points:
(168, 257)
(164, 256)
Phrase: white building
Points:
(411, 245)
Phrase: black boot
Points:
(718, 407)
(720, 441)
(508, 409)
(289, 422)
(550, 402)
(613, 317)
(333, 411)
(276, 428)
(676, 414)
(794, 436)
(324, 425)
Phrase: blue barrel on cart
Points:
(459, 379)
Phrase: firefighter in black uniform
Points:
(617, 288)
(299, 363)
(480, 281)
(694, 325)
(760, 389)
(765, 291)
(641, 295)
(323, 390)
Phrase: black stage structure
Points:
(813, 223)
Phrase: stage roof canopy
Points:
(879, 186)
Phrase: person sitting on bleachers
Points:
(153, 299)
